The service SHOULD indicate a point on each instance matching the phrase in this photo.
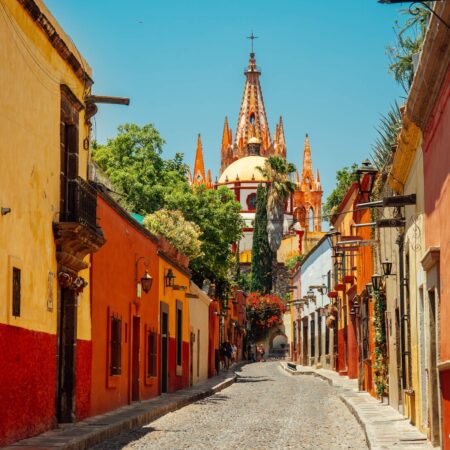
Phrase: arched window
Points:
(311, 219)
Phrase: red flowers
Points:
(264, 311)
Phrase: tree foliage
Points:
(387, 132)
(133, 162)
(344, 177)
(218, 216)
(182, 234)
(261, 279)
(277, 172)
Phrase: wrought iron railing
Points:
(82, 203)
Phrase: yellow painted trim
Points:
(408, 141)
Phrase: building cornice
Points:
(57, 41)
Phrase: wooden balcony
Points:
(77, 233)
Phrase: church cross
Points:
(252, 37)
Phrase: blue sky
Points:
(181, 63)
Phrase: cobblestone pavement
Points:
(265, 409)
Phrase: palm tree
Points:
(387, 129)
(277, 172)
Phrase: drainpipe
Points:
(400, 243)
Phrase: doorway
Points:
(305, 342)
(67, 339)
(164, 320)
(135, 359)
(433, 392)
(191, 354)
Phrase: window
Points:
(152, 342)
(116, 346)
(294, 337)
(311, 219)
(179, 325)
(16, 292)
(313, 339)
(251, 202)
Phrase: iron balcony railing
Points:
(82, 203)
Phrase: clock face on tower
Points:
(251, 202)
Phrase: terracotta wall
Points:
(113, 290)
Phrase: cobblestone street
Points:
(264, 409)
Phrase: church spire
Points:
(199, 166)
(307, 174)
(252, 120)
(279, 141)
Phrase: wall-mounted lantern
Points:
(146, 281)
(169, 278)
(387, 267)
(366, 168)
(369, 288)
(376, 282)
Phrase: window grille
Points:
(179, 335)
(151, 353)
(16, 291)
(116, 346)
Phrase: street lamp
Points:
(169, 278)
(376, 282)
(387, 267)
(366, 168)
(146, 281)
(414, 10)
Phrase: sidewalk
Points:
(384, 426)
(91, 431)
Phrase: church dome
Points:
(244, 169)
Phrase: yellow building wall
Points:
(30, 166)
(170, 296)
(199, 323)
(414, 248)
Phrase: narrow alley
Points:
(265, 409)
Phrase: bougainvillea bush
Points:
(264, 311)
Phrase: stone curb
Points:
(97, 429)
(372, 434)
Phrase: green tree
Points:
(217, 215)
(261, 279)
(277, 172)
(182, 234)
(344, 177)
(132, 161)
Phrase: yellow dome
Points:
(244, 169)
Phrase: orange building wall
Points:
(113, 291)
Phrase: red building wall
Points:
(113, 291)
(27, 383)
(436, 148)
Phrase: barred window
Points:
(179, 331)
(116, 346)
(152, 343)
(16, 291)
